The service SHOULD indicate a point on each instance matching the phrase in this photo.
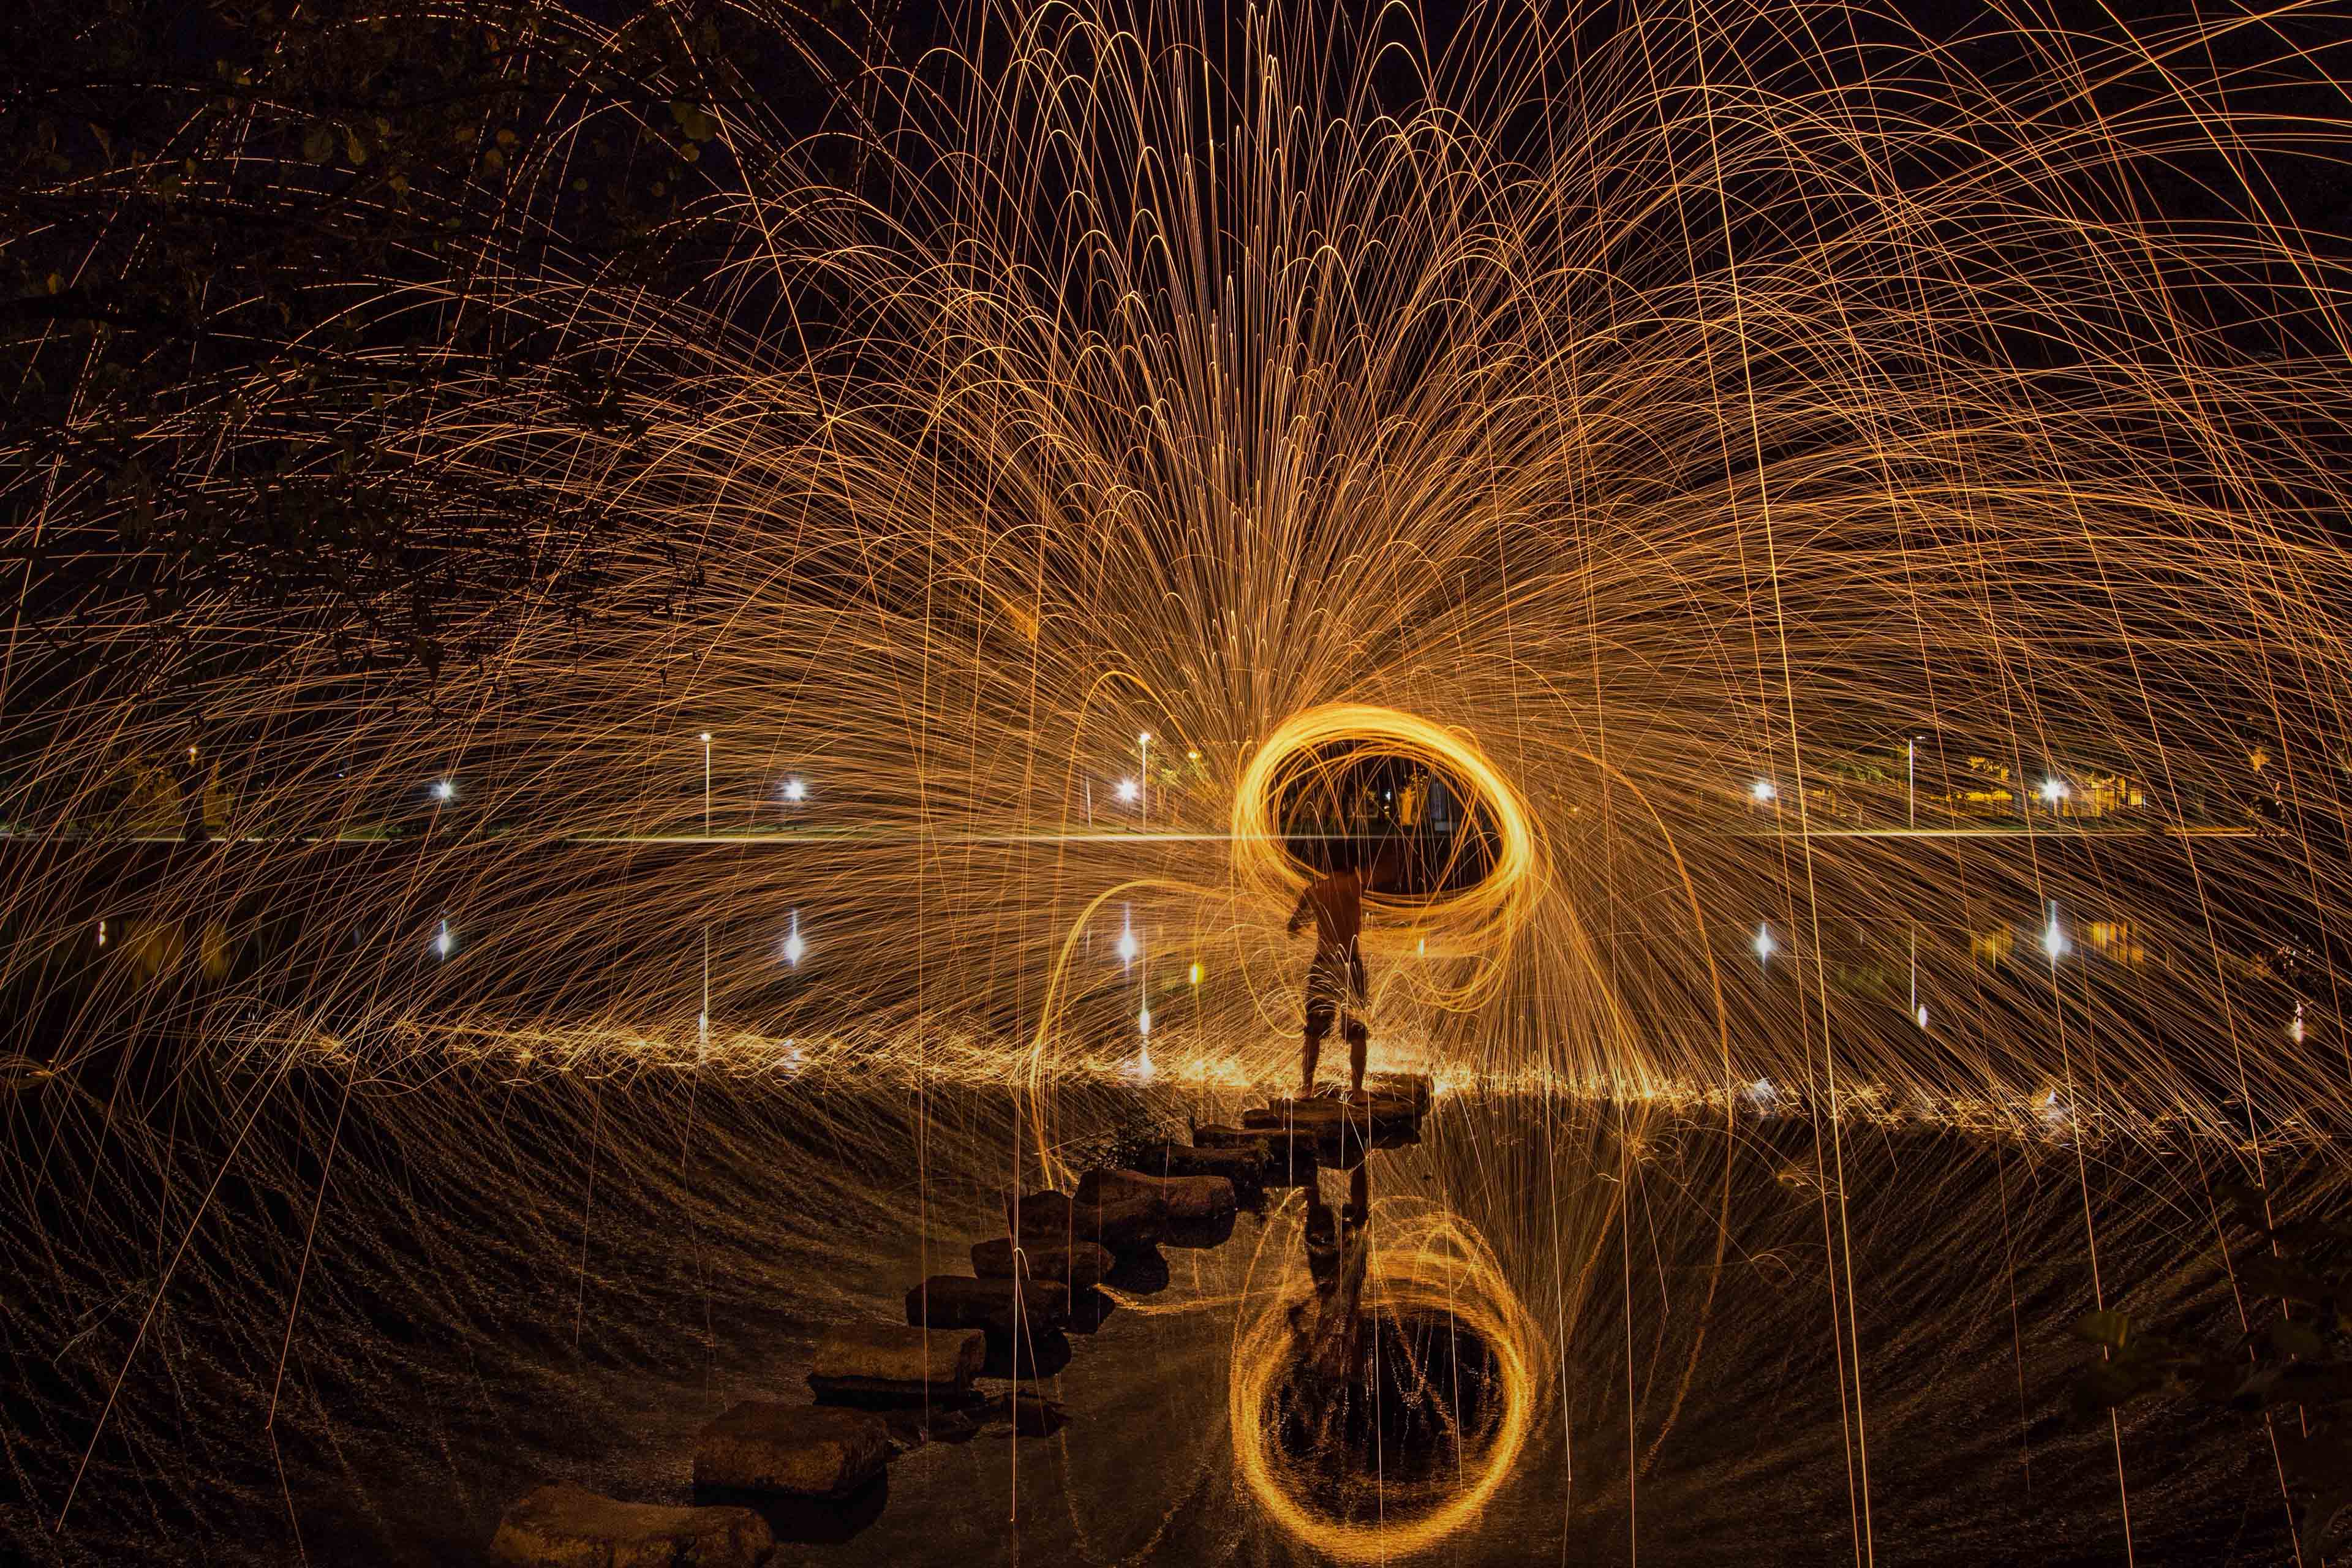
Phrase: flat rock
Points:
(1080, 1265)
(999, 1305)
(1054, 1218)
(1414, 1088)
(1290, 1155)
(1188, 1198)
(1332, 1117)
(793, 1450)
(896, 1361)
(570, 1527)
(1245, 1166)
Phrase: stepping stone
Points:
(1245, 1167)
(1329, 1120)
(1053, 1218)
(1188, 1198)
(1000, 1306)
(1081, 1265)
(1318, 1117)
(1217, 1136)
(1090, 1310)
(1025, 1357)
(569, 1527)
(889, 1360)
(1197, 1234)
(791, 1450)
(1142, 1272)
(1413, 1087)
(1289, 1160)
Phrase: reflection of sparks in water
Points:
(1423, 1260)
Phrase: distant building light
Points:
(795, 790)
(1764, 945)
(2054, 790)
(1763, 791)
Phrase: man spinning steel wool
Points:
(1335, 982)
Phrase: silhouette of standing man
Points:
(1335, 982)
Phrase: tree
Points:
(256, 246)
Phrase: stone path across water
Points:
(883, 1389)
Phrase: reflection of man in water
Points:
(1331, 1323)
(1336, 980)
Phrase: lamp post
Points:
(705, 783)
(1143, 782)
(1911, 819)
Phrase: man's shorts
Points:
(1335, 981)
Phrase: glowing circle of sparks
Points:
(1424, 1260)
(1478, 921)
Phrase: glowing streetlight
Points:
(794, 948)
(1922, 1014)
(705, 783)
(444, 790)
(1197, 973)
(445, 940)
(1143, 778)
(795, 790)
(1765, 946)
(1762, 791)
(1129, 948)
(2053, 936)
(1128, 791)
(2053, 791)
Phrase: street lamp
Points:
(1764, 945)
(1143, 780)
(1127, 791)
(1911, 820)
(1763, 791)
(794, 948)
(2054, 790)
(705, 783)
(2053, 937)
(444, 790)
(796, 791)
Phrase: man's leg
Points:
(1359, 1040)
(1321, 1010)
